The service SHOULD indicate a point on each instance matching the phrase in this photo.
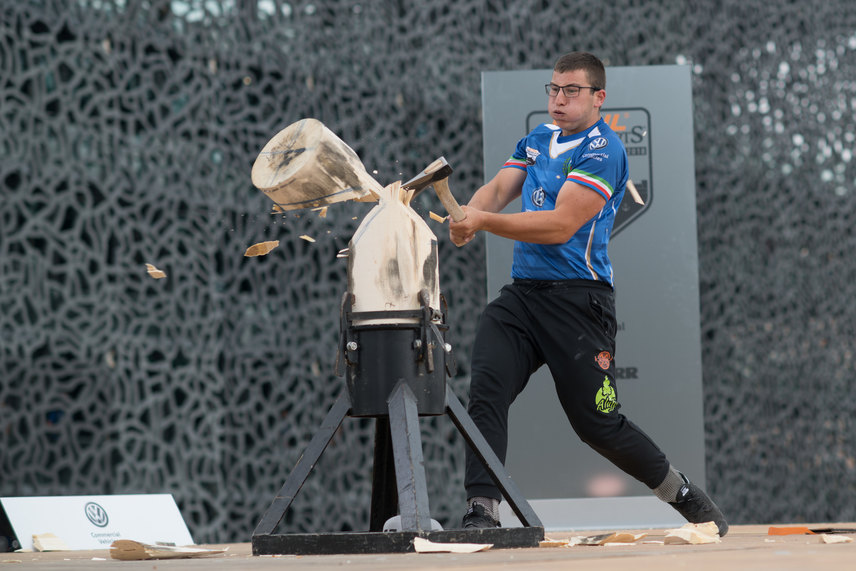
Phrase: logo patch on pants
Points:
(603, 358)
(605, 398)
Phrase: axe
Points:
(437, 175)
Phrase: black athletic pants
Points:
(569, 325)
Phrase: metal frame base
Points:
(397, 438)
(390, 541)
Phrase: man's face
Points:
(574, 114)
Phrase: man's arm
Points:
(500, 191)
(492, 197)
(575, 205)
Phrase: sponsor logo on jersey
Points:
(598, 143)
(531, 156)
(596, 156)
(538, 196)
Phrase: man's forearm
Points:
(575, 206)
(499, 191)
(487, 199)
(543, 227)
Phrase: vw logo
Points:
(598, 143)
(96, 514)
(538, 197)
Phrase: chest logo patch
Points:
(538, 196)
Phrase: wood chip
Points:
(790, 530)
(261, 249)
(829, 538)
(48, 542)
(618, 537)
(277, 209)
(154, 272)
(437, 217)
(553, 542)
(631, 188)
(307, 238)
(624, 538)
(322, 212)
(694, 534)
(129, 550)
(424, 546)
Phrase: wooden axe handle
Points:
(449, 203)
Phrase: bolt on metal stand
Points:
(396, 372)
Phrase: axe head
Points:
(438, 170)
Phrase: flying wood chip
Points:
(154, 272)
(436, 217)
(307, 238)
(261, 249)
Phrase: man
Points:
(559, 310)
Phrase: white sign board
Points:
(94, 522)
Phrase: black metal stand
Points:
(396, 364)
(397, 439)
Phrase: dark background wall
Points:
(127, 133)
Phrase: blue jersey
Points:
(595, 158)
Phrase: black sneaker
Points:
(478, 518)
(697, 507)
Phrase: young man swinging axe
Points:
(571, 176)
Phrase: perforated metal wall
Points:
(127, 132)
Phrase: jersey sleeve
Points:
(600, 167)
(518, 157)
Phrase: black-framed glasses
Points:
(570, 90)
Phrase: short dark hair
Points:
(586, 62)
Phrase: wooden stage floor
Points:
(745, 547)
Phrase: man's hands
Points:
(464, 231)
(487, 200)
(576, 205)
